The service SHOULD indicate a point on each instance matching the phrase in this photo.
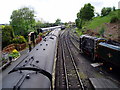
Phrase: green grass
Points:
(79, 31)
(98, 21)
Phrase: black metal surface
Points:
(34, 71)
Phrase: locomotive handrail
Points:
(33, 69)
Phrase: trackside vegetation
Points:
(100, 20)
(99, 25)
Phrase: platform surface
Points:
(103, 83)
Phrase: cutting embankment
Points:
(103, 26)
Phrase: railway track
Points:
(74, 37)
(69, 71)
(74, 43)
(72, 62)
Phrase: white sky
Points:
(50, 10)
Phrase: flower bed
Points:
(14, 54)
(11, 47)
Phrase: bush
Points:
(106, 11)
(114, 19)
(102, 30)
(41, 34)
(7, 35)
(19, 40)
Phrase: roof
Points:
(91, 37)
(109, 46)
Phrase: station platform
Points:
(103, 84)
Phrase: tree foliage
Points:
(19, 40)
(7, 35)
(113, 8)
(79, 23)
(58, 21)
(106, 11)
(85, 13)
(22, 20)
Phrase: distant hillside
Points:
(101, 26)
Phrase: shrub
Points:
(102, 30)
(106, 11)
(114, 19)
(41, 34)
(19, 40)
(7, 35)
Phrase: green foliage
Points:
(99, 21)
(41, 34)
(97, 14)
(106, 11)
(58, 21)
(102, 30)
(78, 23)
(7, 35)
(22, 20)
(114, 19)
(19, 40)
(14, 54)
(113, 8)
(86, 13)
(39, 24)
(80, 32)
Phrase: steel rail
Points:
(64, 65)
(72, 58)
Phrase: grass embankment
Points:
(99, 24)
(98, 21)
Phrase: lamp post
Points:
(29, 41)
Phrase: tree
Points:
(22, 20)
(58, 21)
(113, 8)
(97, 14)
(7, 35)
(105, 11)
(85, 13)
(78, 23)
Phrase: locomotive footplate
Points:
(102, 83)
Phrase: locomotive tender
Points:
(98, 48)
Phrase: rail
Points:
(66, 49)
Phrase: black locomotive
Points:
(88, 45)
(100, 49)
(34, 71)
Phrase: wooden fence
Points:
(11, 47)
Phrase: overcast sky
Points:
(50, 10)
